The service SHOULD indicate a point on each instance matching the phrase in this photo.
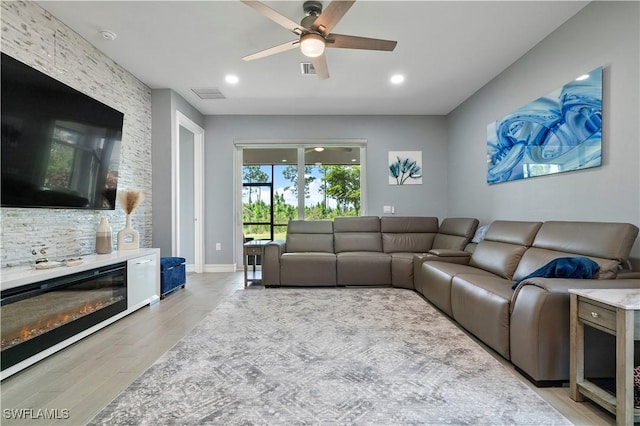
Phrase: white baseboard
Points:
(220, 268)
(190, 267)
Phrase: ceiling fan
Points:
(314, 33)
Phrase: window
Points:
(273, 194)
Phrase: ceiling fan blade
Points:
(273, 50)
(331, 15)
(320, 65)
(354, 42)
(276, 16)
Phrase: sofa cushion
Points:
(402, 270)
(358, 241)
(435, 278)
(363, 268)
(357, 234)
(513, 232)
(308, 269)
(310, 236)
(407, 242)
(455, 233)
(409, 224)
(498, 258)
(503, 246)
(356, 224)
(480, 304)
(594, 239)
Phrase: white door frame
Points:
(198, 195)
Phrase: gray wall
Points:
(164, 104)
(383, 133)
(602, 34)
(27, 32)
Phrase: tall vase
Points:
(128, 238)
(104, 244)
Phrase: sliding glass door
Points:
(298, 181)
(332, 182)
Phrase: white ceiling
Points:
(447, 50)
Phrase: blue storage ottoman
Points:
(172, 274)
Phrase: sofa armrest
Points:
(539, 326)
(271, 262)
(627, 275)
(449, 253)
(562, 285)
(441, 255)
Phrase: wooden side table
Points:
(617, 312)
(253, 248)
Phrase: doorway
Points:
(188, 205)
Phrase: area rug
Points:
(369, 356)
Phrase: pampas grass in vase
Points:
(129, 238)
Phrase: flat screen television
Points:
(60, 147)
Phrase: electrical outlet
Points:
(218, 246)
(388, 209)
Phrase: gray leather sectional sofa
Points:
(471, 283)
(365, 250)
(529, 325)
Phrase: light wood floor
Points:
(86, 376)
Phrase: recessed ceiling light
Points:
(284, 160)
(318, 149)
(353, 160)
(232, 79)
(108, 35)
(582, 77)
(397, 78)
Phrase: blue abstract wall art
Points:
(556, 133)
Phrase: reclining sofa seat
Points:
(359, 256)
(451, 244)
(497, 255)
(539, 332)
(480, 303)
(530, 326)
(402, 237)
(414, 239)
(307, 257)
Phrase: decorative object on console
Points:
(559, 132)
(104, 243)
(129, 238)
(405, 167)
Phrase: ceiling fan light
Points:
(312, 45)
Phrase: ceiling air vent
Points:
(208, 92)
(307, 68)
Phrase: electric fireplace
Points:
(37, 316)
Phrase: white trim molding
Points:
(220, 268)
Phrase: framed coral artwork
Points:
(405, 167)
(559, 132)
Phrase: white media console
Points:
(143, 288)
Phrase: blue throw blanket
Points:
(565, 267)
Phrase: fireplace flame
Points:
(45, 325)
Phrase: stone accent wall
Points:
(35, 37)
